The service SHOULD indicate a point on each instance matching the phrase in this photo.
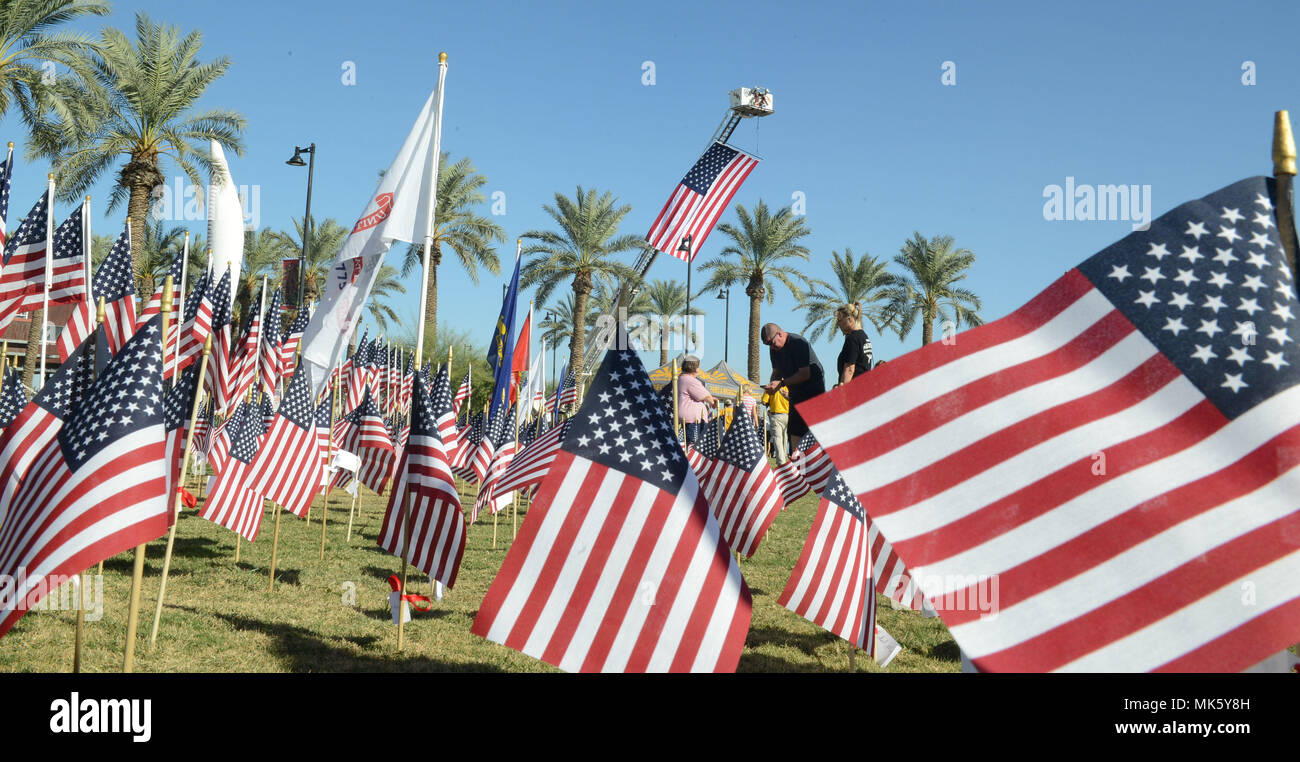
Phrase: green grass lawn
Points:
(219, 616)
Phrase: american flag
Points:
(245, 365)
(565, 394)
(269, 368)
(470, 438)
(13, 397)
(324, 440)
(440, 391)
(408, 378)
(177, 404)
(6, 174)
(741, 490)
(287, 468)
(700, 198)
(892, 578)
(154, 306)
(100, 487)
(221, 385)
(68, 270)
(429, 503)
(115, 284)
(202, 432)
(793, 486)
(831, 583)
(365, 434)
(230, 503)
(292, 337)
(813, 463)
(503, 452)
(268, 411)
(620, 566)
(196, 324)
(462, 394)
(219, 440)
(356, 378)
(493, 439)
(37, 424)
(532, 463)
(1122, 453)
(22, 278)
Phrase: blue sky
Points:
(545, 97)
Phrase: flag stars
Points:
(1175, 326)
(1233, 381)
(1283, 311)
(1279, 335)
(1146, 298)
(1120, 272)
(1179, 300)
(1219, 280)
(1191, 254)
(1232, 215)
(1204, 353)
(1228, 234)
(1263, 220)
(1186, 277)
(1214, 303)
(1153, 274)
(1158, 250)
(1196, 230)
(1253, 282)
(1274, 359)
(1261, 240)
(1257, 259)
(1239, 355)
(1264, 202)
(1209, 328)
(1249, 306)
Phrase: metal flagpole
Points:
(137, 571)
(405, 517)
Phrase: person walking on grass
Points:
(778, 407)
(794, 367)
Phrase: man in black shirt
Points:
(795, 367)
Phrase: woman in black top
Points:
(855, 357)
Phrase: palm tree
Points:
(263, 252)
(28, 46)
(926, 287)
(386, 284)
(458, 227)
(758, 247)
(862, 281)
(327, 237)
(559, 329)
(139, 104)
(667, 301)
(581, 250)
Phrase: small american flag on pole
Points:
(68, 269)
(22, 278)
(287, 468)
(425, 484)
(741, 489)
(700, 198)
(115, 284)
(620, 566)
(229, 502)
(1120, 456)
(530, 465)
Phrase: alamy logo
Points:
(78, 715)
(1098, 202)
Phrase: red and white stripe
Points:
(790, 479)
(530, 466)
(612, 574)
(744, 502)
(287, 467)
(689, 213)
(977, 461)
(490, 494)
(232, 505)
(831, 583)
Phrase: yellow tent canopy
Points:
(721, 380)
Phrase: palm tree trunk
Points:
(33, 358)
(578, 339)
(927, 326)
(431, 297)
(755, 291)
(663, 340)
(137, 209)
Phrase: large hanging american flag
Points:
(100, 487)
(831, 583)
(115, 284)
(699, 199)
(68, 269)
(1120, 456)
(426, 490)
(620, 566)
(230, 503)
(287, 468)
(741, 490)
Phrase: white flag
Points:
(225, 220)
(398, 211)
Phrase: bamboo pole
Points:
(275, 546)
(137, 570)
(176, 511)
(351, 513)
(324, 513)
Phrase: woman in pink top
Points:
(692, 398)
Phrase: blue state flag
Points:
(502, 350)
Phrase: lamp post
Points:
(725, 294)
(552, 320)
(297, 161)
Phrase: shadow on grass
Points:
(282, 576)
(806, 643)
(947, 651)
(302, 650)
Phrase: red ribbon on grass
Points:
(414, 600)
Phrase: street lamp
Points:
(552, 320)
(726, 335)
(297, 161)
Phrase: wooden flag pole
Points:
(352, 512)
(176, 511)
(137, 570)
(676, 415)
(1284, 171)
(275, 546)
